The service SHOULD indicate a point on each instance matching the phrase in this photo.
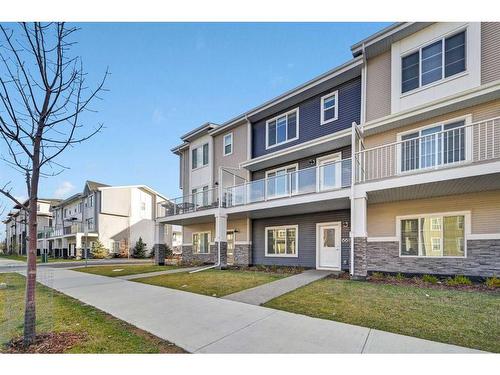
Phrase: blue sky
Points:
(168, 78)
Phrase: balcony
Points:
(454, 146)
(66, 230)
(328, 177)
(200, 201)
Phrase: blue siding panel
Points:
(349, 102)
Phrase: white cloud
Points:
(64, 189)
(158, 116)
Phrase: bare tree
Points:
(43, 93)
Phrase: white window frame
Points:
(296, 165)
(443, 79)
(296, 255)
(467, 119)
(209, 241)
(230, 135)
(467, 232)
(323, 161)
(323, 98)
(287, 140)
(198, 156)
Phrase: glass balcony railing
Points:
(326, 177)
(198, 201)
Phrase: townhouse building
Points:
(117, 216)
(16, 227)
(389, 162)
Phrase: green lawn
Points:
(216, 283)
(123, 269)
(59, 313)
(23, 258)
(462, 318)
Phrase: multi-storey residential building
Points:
(389, 162)
(16, 226)
(115, 215)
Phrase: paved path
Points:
(263, 293)
(203, 324)
(159, 273)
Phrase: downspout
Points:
(364, 75)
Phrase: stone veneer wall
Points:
(483, 259)
(242, 255)
(189, 257)
(360, 257)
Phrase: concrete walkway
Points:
(159, 273)
(203, 324)
(263, 293)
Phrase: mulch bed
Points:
(283, 270)
(441, 285)
(46, 343)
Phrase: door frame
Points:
(318, 244)
(323, 160)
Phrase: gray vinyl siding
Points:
(307, 238)
(303, 163)
(349, 109)
(490, 52)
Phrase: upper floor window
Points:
(228, 144)
(438, 60)
(282, 129)
(329, 108)
(199, 156)
(91, 201)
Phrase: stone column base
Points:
(223, 254)
(360, 263)
(160, 253)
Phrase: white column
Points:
(359, 225)
(221, 238)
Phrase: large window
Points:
(199, 156)
(433, 146)
(329, 108)
(438, 60)
(433, 236)
(282, 241)
(201, 243)
(282, 129)
(200, 196)
(228, 144)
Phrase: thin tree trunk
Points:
(30, 305)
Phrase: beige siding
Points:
(484, 207)
(239, 154)
(479, 113)
(239, 224)
(490, 52)
(378, 86)
(116, 201)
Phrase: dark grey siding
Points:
(303, 163)
(307, 238)
(349, 98)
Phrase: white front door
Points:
(328, 246)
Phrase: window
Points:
(199, 156)
(433, 146)
(65, 212)
(430, 64)
(282, 181)
(433, 236)
(282, 129)
(228, 144)
(201, 243)
(200, 196)
(329, 108)
(90, 224)
(91, 201)
(281, 241)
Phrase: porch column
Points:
(359, 237)
(78, 246)
(159, 247)
(221, 238)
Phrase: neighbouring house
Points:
(16, 227)
(389, 162)
(115, 215)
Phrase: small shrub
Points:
(493, 282)
(98, 250)
(431, 279)
(140, 249)
(459, 280)
(400, 276)
(377, 276)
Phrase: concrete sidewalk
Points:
(266, 292)
(203, 324)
